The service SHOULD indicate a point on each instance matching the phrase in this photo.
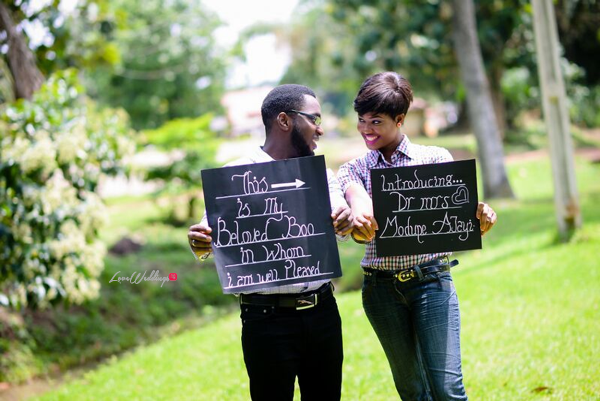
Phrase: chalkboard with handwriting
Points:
(271, 224)
(428, 208)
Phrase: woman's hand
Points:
(363, 220)
(487, 217)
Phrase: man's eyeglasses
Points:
(313, 117)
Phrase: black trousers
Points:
(281, 344)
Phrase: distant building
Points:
(429, 120)
(243, 116)
(243, 110)
(415, 118)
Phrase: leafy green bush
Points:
(198, 144)
(125, 315)
(521, 92)
(583, 107)
(54, 150)
(37, 342)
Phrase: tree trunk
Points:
(499, 111)
(556, 117)
(21, 61)
(479, 101)
(498, 99)
(7, 93)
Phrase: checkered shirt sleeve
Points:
(358, 171)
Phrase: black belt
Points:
(297, 301)
(414, 272)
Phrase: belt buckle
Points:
(404, 276)
(306, 302)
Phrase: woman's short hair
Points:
(384, 93)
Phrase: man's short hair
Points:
(384, 93)
(283, 98)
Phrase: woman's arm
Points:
(362, 213)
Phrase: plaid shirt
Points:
(358, 171)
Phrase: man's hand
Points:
(200, 239)
(342, 220)
(487, 217)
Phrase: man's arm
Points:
(340, 212)
(342, 220)
(358, 198)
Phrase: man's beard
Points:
(299, 144)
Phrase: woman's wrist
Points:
(359, 238)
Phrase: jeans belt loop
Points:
(419, 272)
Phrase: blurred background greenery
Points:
(109, 110)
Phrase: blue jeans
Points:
(418, 325)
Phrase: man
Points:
(279, 342)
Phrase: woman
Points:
(417, 321)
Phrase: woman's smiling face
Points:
(380, 131)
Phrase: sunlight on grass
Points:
(530, 318)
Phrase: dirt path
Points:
(37, 386)
(590, 154)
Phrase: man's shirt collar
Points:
(260, 156)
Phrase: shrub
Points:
(54, 149)
(198, 145)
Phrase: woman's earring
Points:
(399, 125)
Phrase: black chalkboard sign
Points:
(271, 224)
(426, 209)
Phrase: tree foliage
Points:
(169, 66)
(579, 33)
(344, 41)
(54, 150)
(324, 57)
(157, 59)
(183, 176)
(54, 37)
(479, 101)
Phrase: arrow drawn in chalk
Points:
(298, 183)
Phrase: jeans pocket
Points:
(445, 280)
(255, 313)
(445, 277)
(367, 287)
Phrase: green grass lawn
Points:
(530, 319)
